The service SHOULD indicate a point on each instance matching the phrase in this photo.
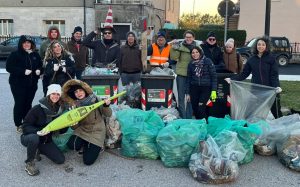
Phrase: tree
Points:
(196, 21)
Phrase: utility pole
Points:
(84, 18)
(267, 17)
(226, 22)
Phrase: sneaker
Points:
(19, 129)
(38, 156)
(31, 169)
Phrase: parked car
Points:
(281, 49)
(11, 44)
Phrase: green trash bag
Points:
(248, 133)
(139, 131)
(61, 139)
(177, 141)
(217, 125)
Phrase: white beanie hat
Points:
(230, 42)
(54, 88)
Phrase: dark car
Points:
(281, 49)
(11, 44)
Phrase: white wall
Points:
(284, 18)
(30, 20)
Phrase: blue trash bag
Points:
(61, 140)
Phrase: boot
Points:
(38, 156)
(31, 169)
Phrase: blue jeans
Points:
(184, 112)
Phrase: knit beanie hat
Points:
(77, 29)
(161, 34)
(211, 34)
(230, 42)
(54, 88)
(132, 33)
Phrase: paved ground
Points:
(110, 170)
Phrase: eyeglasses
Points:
(211, 39)
(105, 33)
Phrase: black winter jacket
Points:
(215, 54)
(38, 117)
(201, 73)
(60, 77)
(16, 64)
(102, 54)
(264, 70)
(130, 61)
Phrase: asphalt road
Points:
(110, 170)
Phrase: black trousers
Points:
(50, 150)
(90, 151)
(199, 97)
(23, 97)
(276, 107)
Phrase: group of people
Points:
(58, 64)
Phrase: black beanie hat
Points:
(71, 91)
(211, 34)
(77, 29)
(130, 32)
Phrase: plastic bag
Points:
(178, 139)
(167, 114)
(208, 166)
(113, 132)
(139, 131)
(277, 132)
(230, 146)
(133, 95)
(88, 71)
(161, 71)
(251, 101)
(61, 140)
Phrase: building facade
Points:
(34, 17)
(284, 18)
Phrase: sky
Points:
(201, 6)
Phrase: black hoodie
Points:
(20, 60)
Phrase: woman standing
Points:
(264, 69)
(232, 59)
(25, 67)
(59, 65)
(90, 132)
(201, 82)
(37, 118)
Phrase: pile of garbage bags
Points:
(91, 71)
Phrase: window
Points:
(6, 27)
(60, 24)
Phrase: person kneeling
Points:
(90, 132)
(37, 118)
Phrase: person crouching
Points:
(89, 133)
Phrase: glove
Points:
(42, 132)
(107, 102)
(74, 124)
(55, 67)
(228, 80)
(278, 90)
(27, 72)
(64, 69)
(37, 72)
(165, 65)
(213, 96)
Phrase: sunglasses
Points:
(105, 33)
(212, 39)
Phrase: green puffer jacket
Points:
(183, 57)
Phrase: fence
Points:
(295, 48)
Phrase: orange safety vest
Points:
(158, 58)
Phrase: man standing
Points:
(213, 51)
(130, 61)
(107, 50)
(158, 53)
(79, 51)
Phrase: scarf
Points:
(91, 99)
(198, 67)
(52, 111)
(189, 46)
